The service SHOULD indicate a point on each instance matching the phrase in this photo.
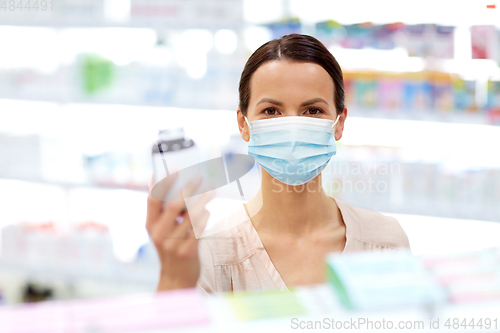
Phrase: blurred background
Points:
(86, 85)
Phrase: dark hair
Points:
(294, 47)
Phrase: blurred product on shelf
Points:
(36, 157)
(368, 282)
(365, 281)
(130, 170)
(131, 313)
(417, 43)
(390, 92)
(493, 95)
(494, 116)
(467, 276)
(442, 93)
(273, 303)
(411, 94)
(91, 225)
(284, 27)
(39, 158)
(385, 36)
(464, 95)
(358, 36)
(429, 40)
(484, 42)
(420, 40)
(33, 293)
(444, 43)
(195, 13)
(86, 251)
(330, 32)
(392, 185)
(98, 73)
(164, 14)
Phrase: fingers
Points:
(192, 217)
(182, 240)
(154, 204)
(190, 189)
(196, 211)
(160, 190)
(189, 247)
(167, 224)
(164, 226)
(173, 241)
(153, 211)
(198, 220)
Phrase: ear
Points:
(339, 127)
(243, 126)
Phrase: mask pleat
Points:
(293, 150)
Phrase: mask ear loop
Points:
(335, 123)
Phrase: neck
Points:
(292, 209)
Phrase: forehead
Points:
(290, 81)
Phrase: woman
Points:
(291, 111)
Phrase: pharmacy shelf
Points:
(431, 116)
(428, 116)
(190, 310)
(422, 210)
(69, 185)
(223, 14)
(129, 273)
(159, 25)
(71, 285)
(445, 150)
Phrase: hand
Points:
(176, 243)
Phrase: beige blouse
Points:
(233, 258)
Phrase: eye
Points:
(270, 111)
(315, 111)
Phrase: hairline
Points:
(291, 60)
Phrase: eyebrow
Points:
(309, 102)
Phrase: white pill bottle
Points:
(172, 153)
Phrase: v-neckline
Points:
(269, 265)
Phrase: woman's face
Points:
(281, 88)
(285, 88)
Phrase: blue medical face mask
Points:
(294, 150)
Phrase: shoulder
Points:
(229, 241)
(372, 227)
